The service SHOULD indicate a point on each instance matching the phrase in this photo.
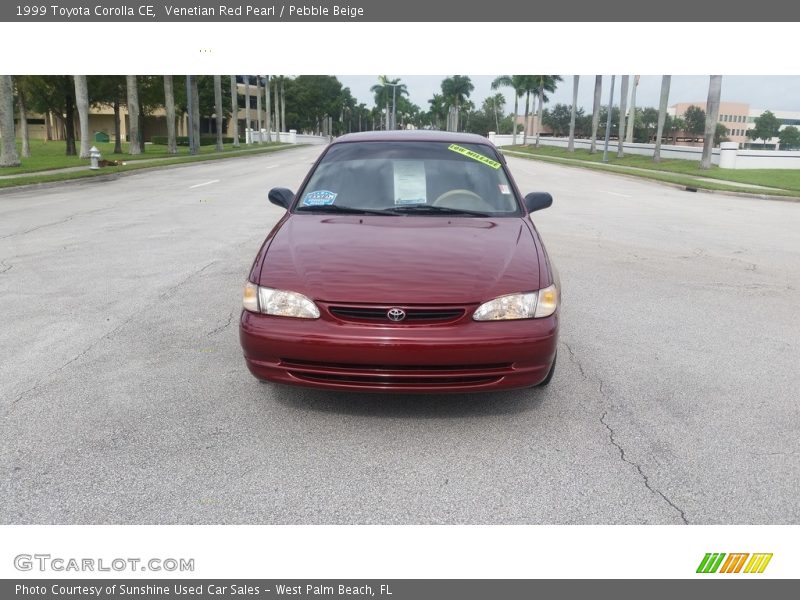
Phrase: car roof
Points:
(414, 135)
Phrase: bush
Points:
(205, 140)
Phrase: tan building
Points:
(739, 118)
(101, 121)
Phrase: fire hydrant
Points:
(94, 156)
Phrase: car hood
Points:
(401, 260)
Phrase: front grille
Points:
(413, 314)
(397, 376)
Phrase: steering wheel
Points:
(465, 199)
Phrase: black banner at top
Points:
(465, 11)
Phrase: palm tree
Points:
(259, 123)
(598, 89)
(278, 126)
(662, 115)
(235, 109)
(496, 104)
(438, 110)
(195, 99)
(385, 90)
(529, 85)
(632, 117)
(283, 103)
(8, 147)
(247, 139)
(623, 106)
(218, 109)
(712, 114)
(456, 90)
(133, 115)
(169, 105)
(544, 83)
(515, 82)
(571, 144)
(23, 116)
(268, 107)
(82, 103)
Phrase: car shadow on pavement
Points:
(409, 405)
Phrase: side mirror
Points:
(281, 197)
(537, 201)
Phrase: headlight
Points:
(280, 303)
(532, 305)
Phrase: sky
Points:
(765, 92)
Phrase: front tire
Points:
(549, 377)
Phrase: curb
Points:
(677, 186)
(25, 187)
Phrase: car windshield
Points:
(409, 178)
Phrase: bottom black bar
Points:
(733, 588)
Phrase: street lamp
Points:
(394, 104)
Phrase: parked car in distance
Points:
(407, 262)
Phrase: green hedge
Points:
(205, 140)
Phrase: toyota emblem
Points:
(396, 314)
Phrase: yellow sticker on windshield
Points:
(474, 156)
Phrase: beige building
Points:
(101, 121)
(739, 118)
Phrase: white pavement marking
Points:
(273, 166)
(618, 194)
(197, 185)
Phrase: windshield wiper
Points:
(337, 208)
(431, 209)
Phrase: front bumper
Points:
(467, 356)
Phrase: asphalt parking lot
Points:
(125, 398)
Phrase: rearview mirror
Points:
(537, 201)
(281, 197)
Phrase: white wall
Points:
(286, 137)
(745, 159)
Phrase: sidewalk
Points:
(167, 160)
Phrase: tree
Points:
(82, 102)
(695, 119)
(712, 113)
(662, 114)
(560, 119)
(766, 126)
(267, 110)
(169, 105)
(54, 95)
(235, 109)
(456, 91)
(623, 104)
(8, 145)
(515, 82)
(247, 138)
(571, 144)
(544, 84)
(218, 110)
(598, 90)
(648, 119)
(133, 115)
(438, 110)
(23, 116)
(721, 134)
(629, 131)
(109, 90)
(386, 91)
(790, 138)
(312, 99)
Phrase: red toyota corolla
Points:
(406, 263)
